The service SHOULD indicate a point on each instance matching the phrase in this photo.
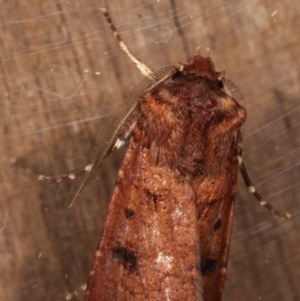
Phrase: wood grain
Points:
(62, 72)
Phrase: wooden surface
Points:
(62, 74)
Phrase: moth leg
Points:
(74, 294)
(70, 176)
(121, 140)
(143, 68)
(253, 191)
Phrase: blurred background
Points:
(63, 75)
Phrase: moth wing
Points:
(150, 244)
(215, 206)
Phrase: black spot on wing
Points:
(208, 265)
(125, 257)
(217, 224)
(129, 213)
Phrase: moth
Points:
(167, 231)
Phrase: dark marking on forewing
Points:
(126, 257)
(150, 195)
(217, 224)
(129, 213)
(208, 265)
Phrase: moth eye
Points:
(221, 84)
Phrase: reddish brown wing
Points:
(215, 206)
(150, 245)
(167, 231)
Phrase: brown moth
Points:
(167, 231)
(168, 226)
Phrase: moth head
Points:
(201, 66)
